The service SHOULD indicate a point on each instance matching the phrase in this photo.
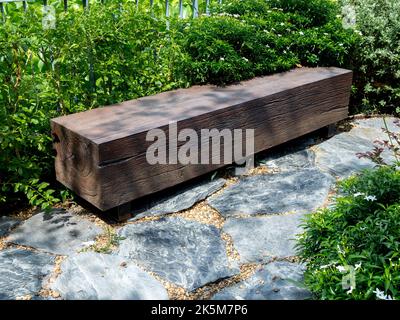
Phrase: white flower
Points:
(350, 290)
(358, 194)
(370, 198)
(357, 266)
(341, 269)
(245, 59)
(381, 295)
(328, 265)
(301, 33)
(222, 59)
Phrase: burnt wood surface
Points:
(101, 153)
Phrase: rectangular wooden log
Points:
(101, 153)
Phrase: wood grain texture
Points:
(101, 153)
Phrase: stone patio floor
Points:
(226, 237)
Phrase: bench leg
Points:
(330, 130)
(123, 212)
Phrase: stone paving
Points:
(93, 276)
(163, 253)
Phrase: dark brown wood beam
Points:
(101, 153)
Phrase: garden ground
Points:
(226, 237)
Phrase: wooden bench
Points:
(101, 153)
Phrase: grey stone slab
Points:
(291, 161)
(6, 224)
(372, 134)
(378, 123)
(22, 272)
(39, 298)
(180, 200)
(259, 239)
(187, 253)
(58, 232)
(279, 280)
(338, 155)
(95, 276)
(298, 191)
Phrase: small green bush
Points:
(376, 57)
(361, 230)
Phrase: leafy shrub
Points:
(361, 230)
(377, 56)
(243, 39)
(320, 12)
(91, 58)
(116, 52)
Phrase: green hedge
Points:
(114, 53)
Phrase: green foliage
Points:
(243, 39)
(116, 52)
(362, 230)
(377, 56)
(89, 59)
(319, 12)
(106, 243)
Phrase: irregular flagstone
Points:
(300, 191)
(95, 276)
(338, 155)
(259, 239)
(279, 280)
(58, 232)
(371, 131)
(22, 272)
(289, 161)
(6, 224)
(187, 253)
(373, 134)
(377, 123)
(180, 200)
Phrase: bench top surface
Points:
(140, 115)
